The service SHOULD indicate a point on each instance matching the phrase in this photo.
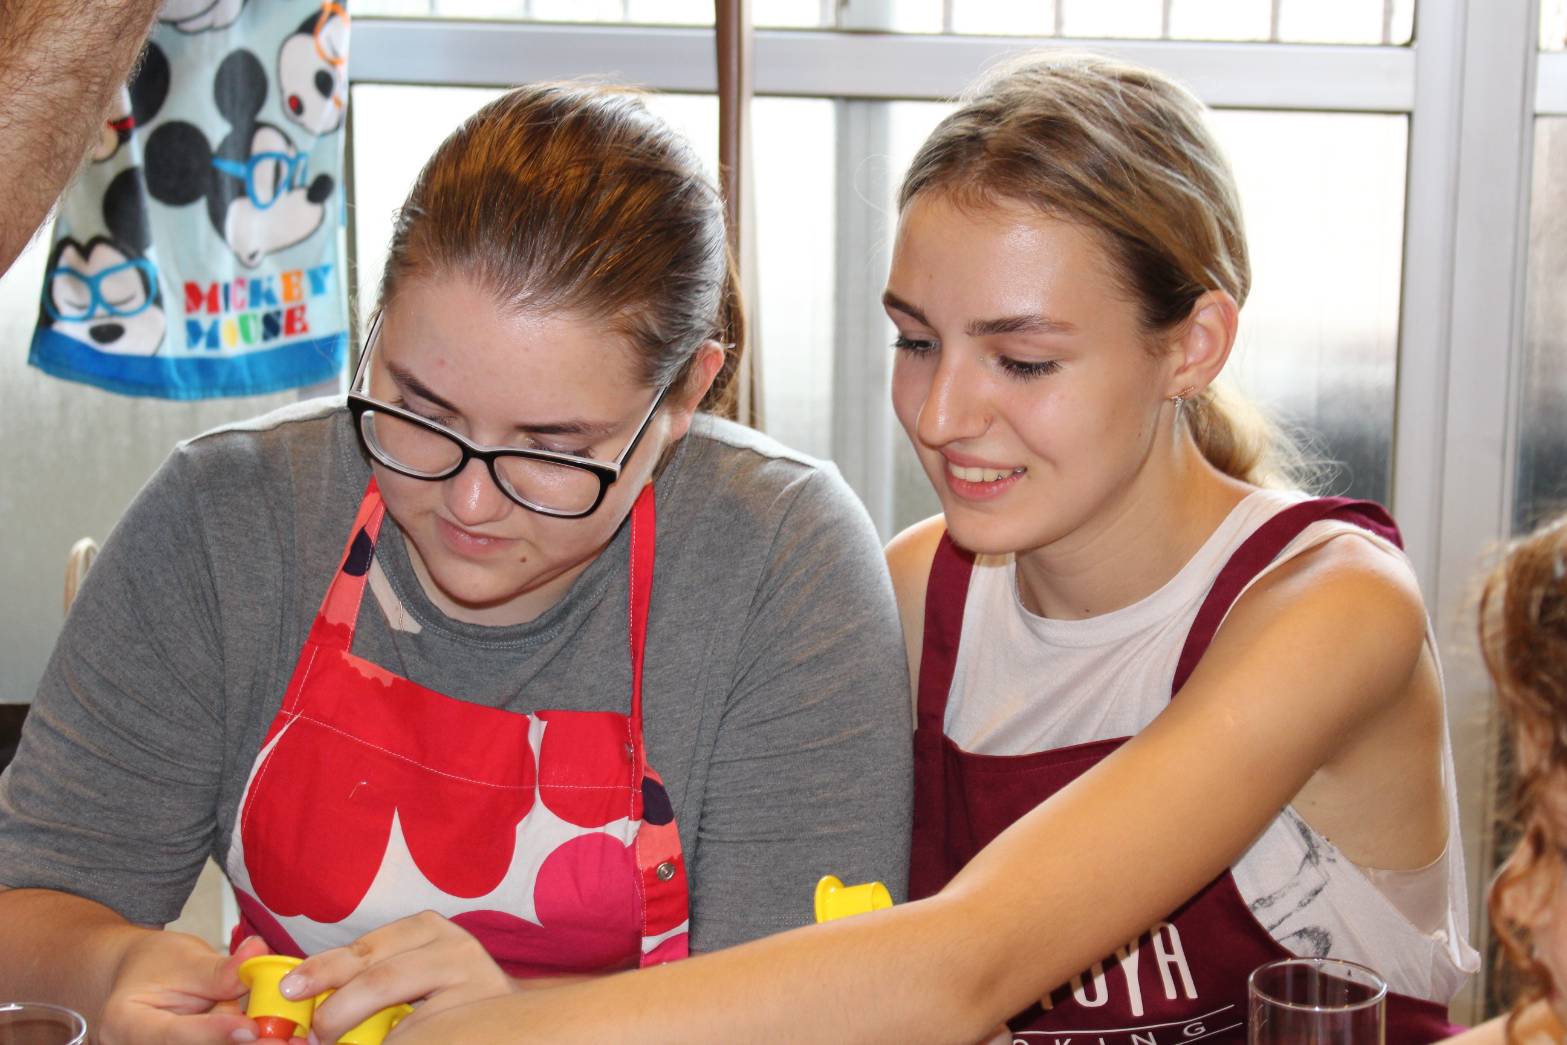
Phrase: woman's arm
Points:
(108, 810)
(131, 983)
(1311, 654)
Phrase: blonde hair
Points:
(1523, 635)
(1127, 153)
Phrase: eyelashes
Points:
(447, 422)
(1013, 368)
(443, 421)
(1026, 371)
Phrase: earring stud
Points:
(1181, 396)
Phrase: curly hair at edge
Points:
(1523, 636)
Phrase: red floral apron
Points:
(1184, 979)
(546, 836)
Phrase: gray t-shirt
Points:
(775, 689)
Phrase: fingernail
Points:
(243, 1034)
(292, 986)
(312, 1040)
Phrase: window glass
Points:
(1221, 19)
(1291, 21)
(1553, 25)
(1112, 19)
(1318, 343)
(1004, 18)
(1541, 483)
(771, 13)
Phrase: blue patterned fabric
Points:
(200, 252)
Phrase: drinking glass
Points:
(1316, 1001)
(33, 1023)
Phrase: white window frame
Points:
(1468, 85)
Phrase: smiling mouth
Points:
(981, 475)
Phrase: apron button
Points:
(665, 871)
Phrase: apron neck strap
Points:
(339, 613)
(1257, 552)
(946, 592)
(644, 544)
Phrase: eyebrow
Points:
(1024, 323)
(409, 384)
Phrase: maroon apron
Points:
(547, 836)
(1185, 978)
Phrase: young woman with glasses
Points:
(1176, 718)
(519, 665)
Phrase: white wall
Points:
(75, 456)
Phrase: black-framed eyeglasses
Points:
(562, 485)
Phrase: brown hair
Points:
(575, 198)
(1523, 635)
(1126, 153)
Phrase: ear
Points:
(685, 400)
(1201, 345)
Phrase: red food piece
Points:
(277, 1027)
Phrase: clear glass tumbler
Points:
(34, 1023)
(1316, 1001)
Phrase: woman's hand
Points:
(422, 958)
(172, 987)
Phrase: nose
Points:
(955, 406)
(472, 497)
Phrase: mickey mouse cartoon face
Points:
(257, 185)
(105, 293)
(195, 16)
(312, 70)
(137, 103)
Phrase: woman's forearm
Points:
(60, 948)
(891, 976)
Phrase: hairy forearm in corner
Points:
(60, 64)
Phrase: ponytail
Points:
(1241, 441)
(722, 397)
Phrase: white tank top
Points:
(1024, 683)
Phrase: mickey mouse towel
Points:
(198, 254)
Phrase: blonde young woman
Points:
(1175, 718)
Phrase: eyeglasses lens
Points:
(419, 451)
